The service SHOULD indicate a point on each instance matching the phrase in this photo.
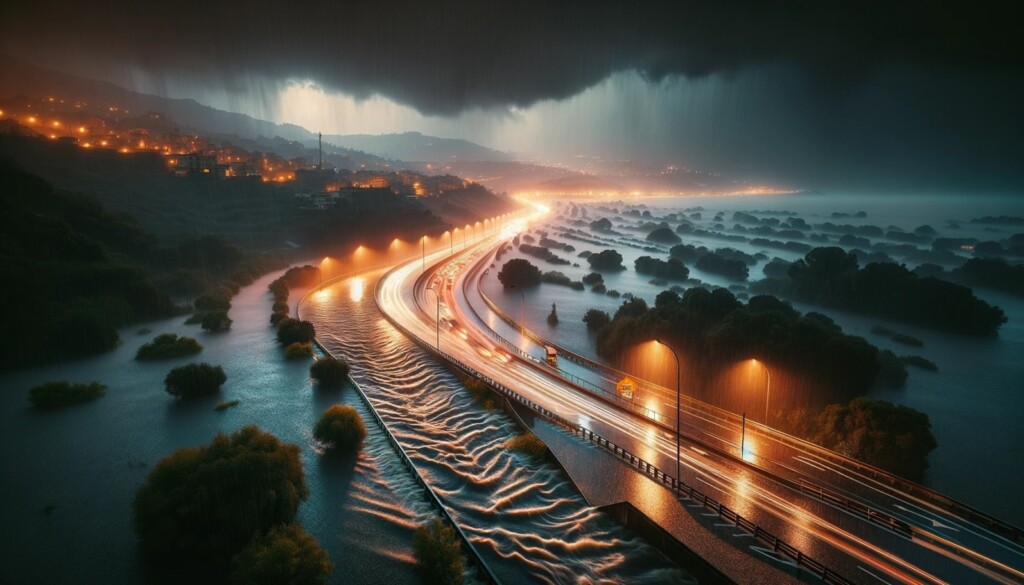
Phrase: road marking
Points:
(935, 523)
(808, 462)
(873, 575)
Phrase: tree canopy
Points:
(520, 273)
(285, 554)
(207, 503)
(193, 380)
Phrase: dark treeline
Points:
(671, 269)
(725, 261)
(76, 272)
(714, 331)
(831, 277)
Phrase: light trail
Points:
(404, 302)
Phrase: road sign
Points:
(625, 387)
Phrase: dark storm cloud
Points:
(444, 57)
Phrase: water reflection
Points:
(355, 291)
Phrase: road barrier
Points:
(483, 570)
(679, 487)
(693, 405)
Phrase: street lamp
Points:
(437, 319)
(355, 258)
(451, 243)
(391, 245)
(767, 389)
(465, 232)
(322, 263)
(679, 392)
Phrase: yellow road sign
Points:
(625, 387)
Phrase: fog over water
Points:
(973, 400)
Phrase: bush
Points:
(207, 503)
(54, 395)
(298, 351)
(606, 260)
(329, 372)
(280, 307)
(664, 236)
(276, 318)
(285, 554)
(519, 273)
(593, 278)
(192, 380)
(168, 345)
(439, 553)
(340, 427)
(893, 437)
(216, 321)
(671, 269)
(596, 319)
(291, 331)
(529, 444)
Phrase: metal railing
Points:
(679, 487)
(694, 405)
(483, 570)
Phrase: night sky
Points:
(844, 96)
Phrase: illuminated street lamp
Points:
(322, 263)
(355, 258)
(437, 319)
(391, 245)
(767, 389)
(465, 232)
(451, 243)
(679, 392)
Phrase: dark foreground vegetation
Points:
(167, 346)
(54, 395)
(831, 277)
(77, 272)
(198, 513)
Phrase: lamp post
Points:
(451, 243)
(767, 390)
(465, 232)
(437, 319)
(679, 377)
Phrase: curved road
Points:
(943, 548)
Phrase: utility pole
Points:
(320, 138)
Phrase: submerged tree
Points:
(207, 503)
(285, 554)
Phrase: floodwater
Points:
(974, 400)
(527, 519)
(69, 476)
